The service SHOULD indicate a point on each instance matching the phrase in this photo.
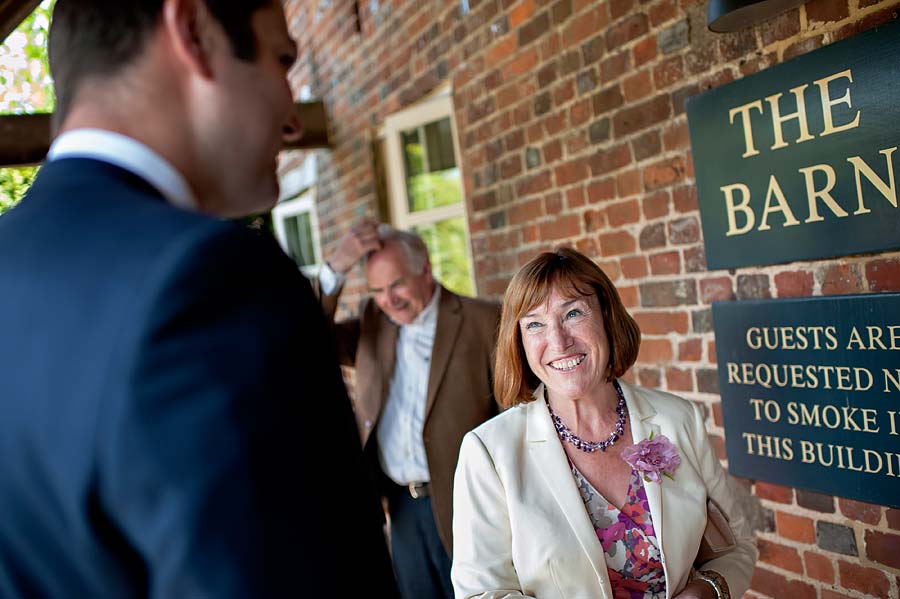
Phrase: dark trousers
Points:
(421, 563)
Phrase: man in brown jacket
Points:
(423, 379)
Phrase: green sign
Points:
(811, 393)
(798, 162)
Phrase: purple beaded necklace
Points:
(590, 446)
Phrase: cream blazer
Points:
(520, 528)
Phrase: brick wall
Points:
(572, 130)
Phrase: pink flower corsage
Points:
(653, 457)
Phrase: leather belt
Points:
(419, 490)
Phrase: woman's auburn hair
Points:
(566, 270)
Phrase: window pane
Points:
(298, 231)
(432, 177)
(446, 241)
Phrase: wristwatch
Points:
(716, 581)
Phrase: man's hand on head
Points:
(356, 243)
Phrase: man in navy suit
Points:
(172, 418)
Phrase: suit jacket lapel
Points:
(550, 460)
(449, 321)
(642, 414)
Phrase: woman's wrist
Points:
(714, 580)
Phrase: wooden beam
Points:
(12, 13)
(25, 138)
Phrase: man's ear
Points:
(189, 28)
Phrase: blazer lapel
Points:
(449, 322)
(550, 460)
(642, 413)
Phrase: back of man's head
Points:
(96, 39)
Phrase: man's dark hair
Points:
(96, 38)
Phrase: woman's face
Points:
(566, 345)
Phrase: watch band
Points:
(716, 581)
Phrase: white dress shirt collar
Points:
(129, 154)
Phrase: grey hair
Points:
(413, 247)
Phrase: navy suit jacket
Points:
(173, 421)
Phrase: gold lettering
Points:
(744, 111)
(806, 449)
(889, 378)
(855, 339)
(869, 418)
(823, 194)
(778, 119)
(828, 102)
(742, 206)
(782, 206)
(892, 417)
(869, 469)
(888, 190)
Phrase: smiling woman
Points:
(549, 498)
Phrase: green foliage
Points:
(25, 87)
(448, 248)
(14, 182)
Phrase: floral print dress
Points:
(633, 559)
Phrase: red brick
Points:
(650, 377)
(618, 242)
(524, 62)
(858, 510)
(511, 167)
(794, 284)
(564, 92)
(608, 99)
(656, 205)
(676, 137)
(716, 289)
(626, 30)
(644, 51)
(634, 267)
(883, 547)
(668, 72)
(825, 11)
(562, 227)
(637, 86)
(614, 67)
(774, 492)
(555, 123)
(553, 204)
(570, 172)
(775, 585)
(718, 444)
(629, 296)
(534, 183)
(684, 198)
(779, 555)
(501, 50)
(841, 278)
(717, 413)
(818, 566)
(662, 323)
(665, 263)
(611, 160)
(829, 594)
(883, 275)
(679, 380)
(580, 112)
(628, 183)
(711, 351)
(552, 151)
(575, 197)
(664, 173)
(585, 26)
(655, 351)
(600, 191)
(633, 118)
(690, 350)
(865, 580)
(662, 12)
(620, 8)
(594, 220)
(623, 213)
(646, 145)
(795, 528)
(893, 518)
(525, 211)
